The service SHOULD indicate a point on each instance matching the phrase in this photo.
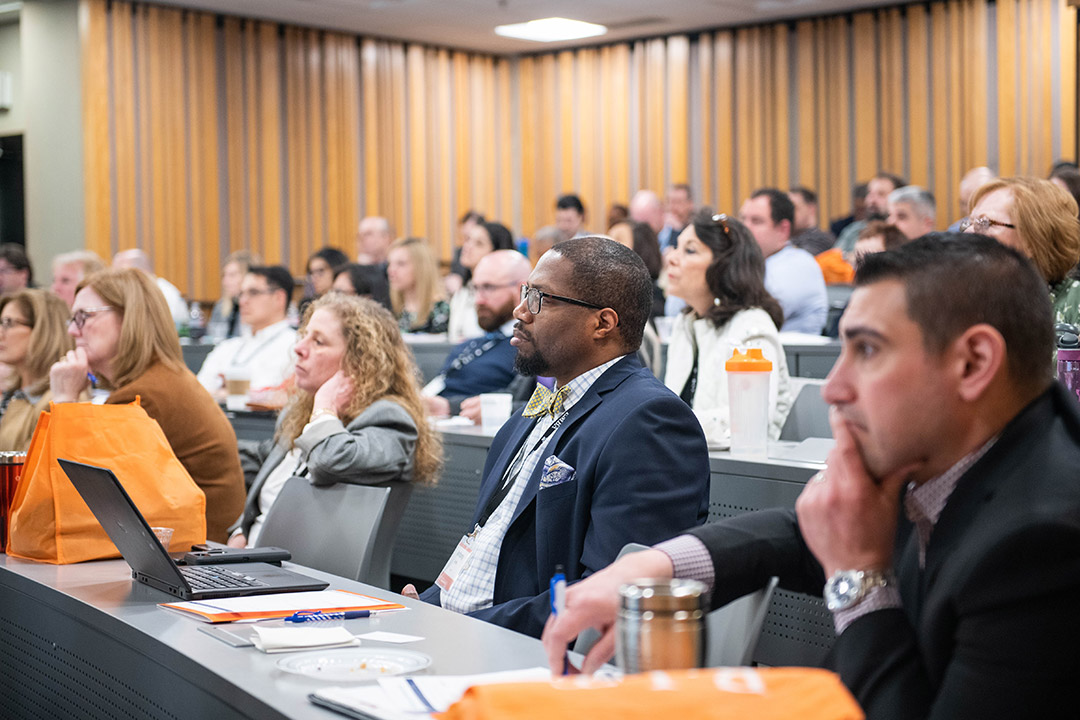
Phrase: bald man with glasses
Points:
(606, 457)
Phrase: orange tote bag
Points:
(49, 520)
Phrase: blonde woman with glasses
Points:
(125, 341)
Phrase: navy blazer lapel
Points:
(513, 442)
(604, 384)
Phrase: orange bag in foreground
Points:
(49, 520)
(717, 694)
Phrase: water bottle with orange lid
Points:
(748, 401)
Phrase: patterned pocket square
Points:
(556, 472)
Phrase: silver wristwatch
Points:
(846, 588)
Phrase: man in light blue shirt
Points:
(792, 276)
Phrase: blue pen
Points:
(316, 616)
(92, 378)
(558, 604)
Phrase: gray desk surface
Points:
(101, 596)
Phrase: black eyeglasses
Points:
(80, 317)
(534, 300)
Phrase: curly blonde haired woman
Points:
(355, 415)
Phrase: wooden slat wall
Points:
(205, 135)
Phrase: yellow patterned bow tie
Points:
(543, 400)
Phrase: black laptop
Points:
(150, 562)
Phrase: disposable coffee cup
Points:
(237, 385)
(164, 535)
(495, 409)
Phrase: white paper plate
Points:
(354, 664)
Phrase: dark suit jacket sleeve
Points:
(648, 482)
(1015, 645)
(748, 549)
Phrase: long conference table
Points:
(86, 641)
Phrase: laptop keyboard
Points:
(215, 577)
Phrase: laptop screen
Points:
(122, 521)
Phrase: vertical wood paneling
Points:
(744, 99)
(866, 88)
(974, 95)
(621, 80)
(779, 111)
(891, 84)
(527, 119)
(918, 87)
(234, 134)
(724, 52)
(124, 95)
(1067, 23)
(565, 82)
(947, 203)
(296, 132)
(1025, 89)
(504, 145)
(547, 184)
(654, 95)
(304, 115)
(1008, 97)
(943, 139)
(1042, 102)
(349, 55)
(418, 147)
(707, 108)
(203, 158)
(369, 65)
(678, 107)
(93, 33)
(807, 100)
(838, 165)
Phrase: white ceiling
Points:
(468, 24)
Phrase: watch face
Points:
(842, 590)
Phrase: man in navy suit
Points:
(483, 364)
(610, 456)
(945, 532)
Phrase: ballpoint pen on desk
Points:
(316, 616)
(558, 604)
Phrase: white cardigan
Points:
(748, 328)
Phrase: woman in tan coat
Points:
(125, 339)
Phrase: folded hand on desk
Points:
(594, 602)
(409, 591)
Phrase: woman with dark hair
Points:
(322, 268)
(641, 238)
(363, 280)
(480, 239)
(718, 269)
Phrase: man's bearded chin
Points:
(534, 364)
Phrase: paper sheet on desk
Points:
(414, 698)
(260, 607)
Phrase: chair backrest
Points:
(344, 529)
(732, 630)
(809, 415)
